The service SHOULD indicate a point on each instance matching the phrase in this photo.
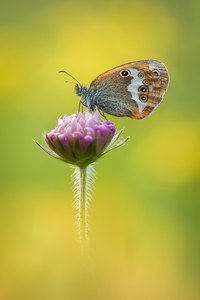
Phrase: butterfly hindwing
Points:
(134, 95)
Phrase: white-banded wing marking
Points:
(136, 82)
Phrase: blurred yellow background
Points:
(145, 215)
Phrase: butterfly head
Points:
(81, 90)
(87, 96)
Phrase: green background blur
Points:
(145, 214)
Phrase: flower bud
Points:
(80, 139)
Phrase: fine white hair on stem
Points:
(83, 178)
(80, 140)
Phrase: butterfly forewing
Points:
(133, 90)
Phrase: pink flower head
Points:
(80, 139)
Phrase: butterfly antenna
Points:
(62, 71)
(67, 81)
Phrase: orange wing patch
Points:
(153, 87)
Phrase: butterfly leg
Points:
(80, 107)
(102, 114)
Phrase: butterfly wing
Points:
(135, 95)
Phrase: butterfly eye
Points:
(143, 89)
(140, 74)
(156, 73)
(146, 82)
(143, 98)
(125, 73)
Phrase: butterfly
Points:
(130, 90)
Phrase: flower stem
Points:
(83, 208)
(82, 186)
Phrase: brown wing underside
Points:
(135, 96)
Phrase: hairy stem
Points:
(83, 180)
(83, 226)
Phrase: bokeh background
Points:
(145, 214)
